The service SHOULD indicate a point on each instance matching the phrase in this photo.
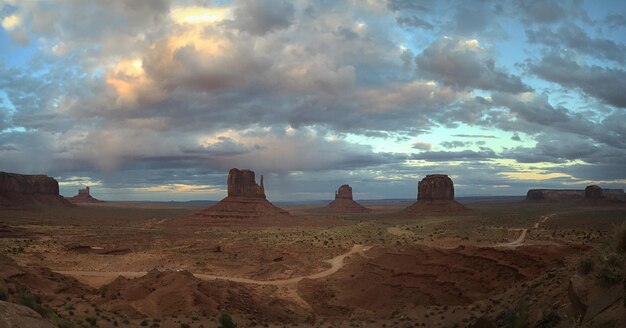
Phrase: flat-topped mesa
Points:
(435, 195)
(435, 187)
(28, 184)
(242, 183)
(21, 190)
(344, 192)
(552, 195)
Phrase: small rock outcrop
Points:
(20, 190)
(344, 203)
(15, 315)
(84, 196)
(577, 292)
(245, 204)
(435, 195)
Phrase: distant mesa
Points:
(23, 191)
(84, 197)
(597, 196)
(246, 203)
(435, 195)
(344, 203)
(565, 195)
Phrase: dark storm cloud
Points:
(575, 38)
(606, 84)
(464, 64)
(259, 17)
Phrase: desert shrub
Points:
(550, 320)
(60, 322)
(612, 271)
(585, 265)
(92, 321)
(516, 317)
(33, 301)
(226, 321)
(3, 295)
(144, 323)
(620, 239)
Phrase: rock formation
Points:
(435, 195)
(15, 315)
(596, 196)
(241, 183)
(245, 204)
(19, 190)
(435, 187)
(553, 195)
(344, 203)
(593, 192)
(84, 197)
(577, 292)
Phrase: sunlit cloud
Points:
(534, 176)
(11, 22)
(200, 15)
(182, 188)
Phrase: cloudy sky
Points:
(157, 99)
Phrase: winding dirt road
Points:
(523, 231)
(99, 278)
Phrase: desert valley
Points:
(313, 163)
(483, 262)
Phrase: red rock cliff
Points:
(28, 184)
(435, 187)
(242, 183)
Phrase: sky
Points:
(158, 99)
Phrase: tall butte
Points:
(245, 204)
(84, 196)
(20, 190)
(344, 203)
(435, 195)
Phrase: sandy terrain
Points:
(126, 264)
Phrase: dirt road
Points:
(523, 231)
(97, 279)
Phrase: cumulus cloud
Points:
(575, 38)
(465, 64)
(606, 84)
(261, 17)
(135, 93)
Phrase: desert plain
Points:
(504, 263)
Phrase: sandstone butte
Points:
(20, 191)
(344, 203)
(435, 195)
(84, 196)
(245, 203)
